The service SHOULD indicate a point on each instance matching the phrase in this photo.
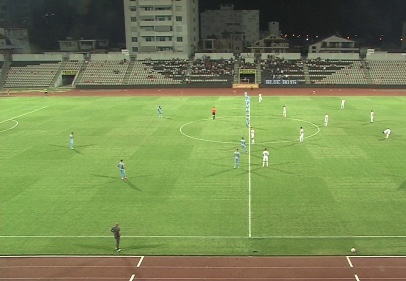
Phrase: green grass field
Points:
(344, 187)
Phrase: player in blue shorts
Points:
(243, 145)
(122, 170)
(71, 140)
(236, 159)
(159, 111)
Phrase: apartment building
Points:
(229, 23)
(161, 26)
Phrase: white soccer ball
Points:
(353, 250)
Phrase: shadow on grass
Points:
(222, 172)
(104, 176)
(130, 184)
(402, 186)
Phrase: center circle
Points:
(285, 130)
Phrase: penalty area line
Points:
(21, 115)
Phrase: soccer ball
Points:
(353, 250)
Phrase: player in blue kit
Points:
(159, 111)
(243, 145)
(71, 140)
(236, 159)
(122, 170)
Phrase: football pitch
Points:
(343, 187)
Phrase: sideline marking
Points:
(249, 173)
(233, 142)
(15, 117)
(15, 125)
(217, 237)
(140, 261)
(349, 261)
(356, 277)
(132, 277)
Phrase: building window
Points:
(133, 19)
(179, 39)
(149, 38)
(135, 49)
(134, 39)
(133, 8)
(178, 18)
(148, 8)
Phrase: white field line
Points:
(75, 256)
(140, 261)
(356, 277)
(132, 277)
(15, 125)
(213, 237)
(249, 175)
(349, 261)
(15, 117)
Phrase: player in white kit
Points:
(387, 132)
(301, 134)
(326, 120)
(252, 136)
(372, 116)
(265, 156)
(259, 97)
(342, 104)
(284, 111)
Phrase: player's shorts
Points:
(265, 159)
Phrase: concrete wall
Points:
(109, 57)
(334, 56)
(37, 57)
(1, 57)
(78, 57)
(161, 56)
(386, 56)
(288, 56)
(215, 56)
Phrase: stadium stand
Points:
(336, 72)
(274, 69)
(387, 72)
(206, 70)
(104, 73)
(31, 74)
(157, 72)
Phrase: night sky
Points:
(103, 19)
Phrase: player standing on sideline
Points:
(284, 111)
(259, 97)
(342, 104)
(326, 120)
(372, 116)
(122, 169)
(387, 132)
(314, 92)
(301, 134)
(265, 155)
(117, 234)
(213, 112)
(71, 140)
(236, 159)
(243, 145)
(252, 136)
(159, 111)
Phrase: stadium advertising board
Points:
(281, 82)
(247, 71)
